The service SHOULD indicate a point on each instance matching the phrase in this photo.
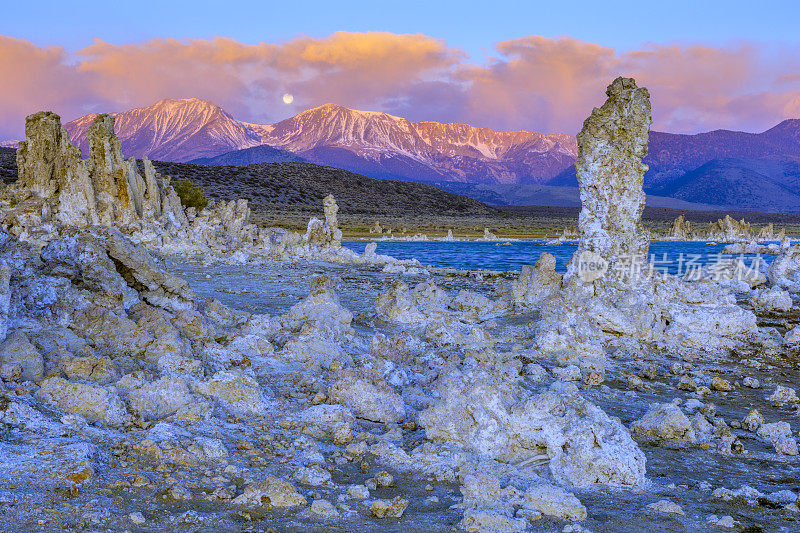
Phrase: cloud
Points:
(532, 83)
(36, 78)
(346, 68)
(552, 84)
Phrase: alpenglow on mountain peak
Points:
(369, 142)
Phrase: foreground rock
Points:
(581, 444)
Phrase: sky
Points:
(538, 66)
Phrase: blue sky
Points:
(472, 26)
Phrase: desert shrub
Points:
(190, 195)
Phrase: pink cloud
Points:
(36, 78)
(532, 83)
(552, 85)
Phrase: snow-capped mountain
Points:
(173, 130)
(367, 142)
(382, 145)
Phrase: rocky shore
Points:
(367, 393)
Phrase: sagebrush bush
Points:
(190, 195)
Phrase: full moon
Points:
(288, 98)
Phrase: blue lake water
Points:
(667, 256)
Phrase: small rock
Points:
(635, 383)
(726, 522)
(554, 501)
(666, 507)
(271, 491)
(751, 383)
(783, 396)
(384, 479)
(567, 373)
(323, 509)
(11, 372)
(688, 384)
(314, 475)
(722, 385)
(393, 508)
(752, 421)
(358, 492)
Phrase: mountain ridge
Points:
(172, 129)
(382, 145)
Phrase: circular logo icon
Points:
(591, 266)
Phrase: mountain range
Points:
(367, 142)
(727, 169)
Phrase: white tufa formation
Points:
(610, 172)
(103, 190)
(610, 290)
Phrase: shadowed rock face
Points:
(610, 172)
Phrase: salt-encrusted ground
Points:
(686, 475)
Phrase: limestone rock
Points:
(535, 285)
(610, 289)
(553, 501)
(142, 272)
(784, 396)
(157, 399)
(488, 506)
(237, 392)
(792, 337)
(784, 271)
(491, 521)
(681, 229)
(666, 507)
(326, 421)
(664, 423)
(112, 190)
(321, 309)
(368, 395)
(393, 508)
(397, 305)
(729, 229)
(93, 402)
(270, 492)
(105, 189)
(325, 233)
(88, 366)
(331, 220)
(582, 443)
(323, 509)
(779, 434)
(49, 166)
(610, 172)
(312, 475)
(17, 349)
(771, 300)
(5, 299)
